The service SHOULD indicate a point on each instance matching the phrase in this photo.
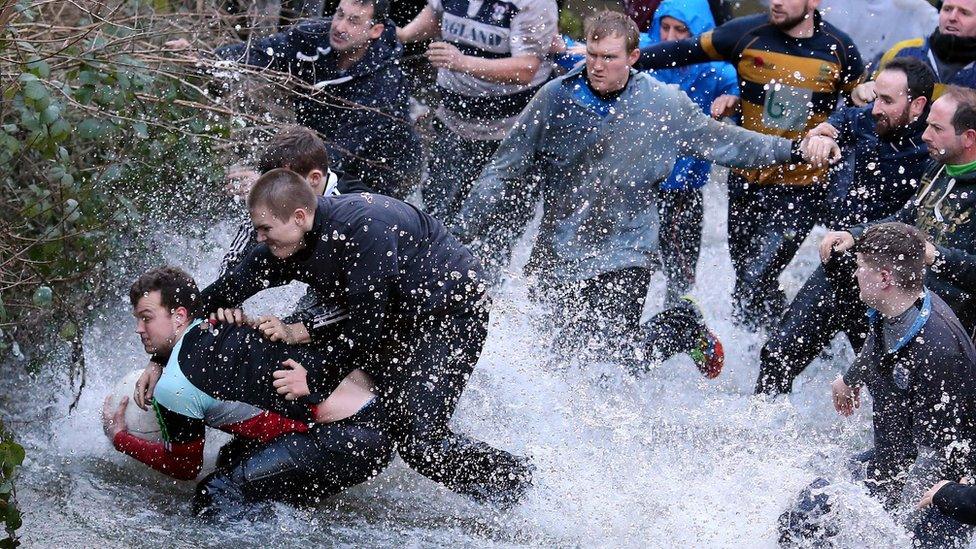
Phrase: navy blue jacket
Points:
(877, 176)
(362, 112)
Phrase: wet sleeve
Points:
(904, 215)
(957, 265)
(533, 29)
(957, 501)
(856, 375)
(273, 52)
(244, 241)
(265, 427)
(718, 44)
(853, 71)
(843, 120)
(258, 270)
(179, 455)
(937, 400)
(727, 80)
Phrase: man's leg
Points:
(679, 239)
(744, 207)
(444, 352)
(454, 164)
(299, 468)
(826, 304)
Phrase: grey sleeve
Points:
(701, 136)
(534, 28)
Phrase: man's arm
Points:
(257, 271)
(426, 25)
(244, 241)
(718, 44)
(274, 52)
(957, 501)
(180, 458)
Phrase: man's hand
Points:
(824, 129)
(113, 421)
(725, 105)
(819, 150)
(275, 329)
(230, 316)
(558, 45)
(846, 399)
(443, 55)
(147, 384)
(864, 94)
(927, 498)
(835, 241)
(292, 382)
(239, 181)
(929, 253)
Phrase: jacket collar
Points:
(897, 332)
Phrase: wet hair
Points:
(282, 191)
(297, 148)
(898, 247)
(381, 9)
(918, 75)
(964, 119)
(176, 288)
(612, 23)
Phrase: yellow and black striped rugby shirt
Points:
(788, 85)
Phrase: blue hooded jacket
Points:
(703, 82)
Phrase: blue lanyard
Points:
(915, 328)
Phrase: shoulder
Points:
(907, 48)
(741, 26)
(840, 37)
(351, 212)
(535, 6)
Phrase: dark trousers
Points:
(297, 468)
(454, 164)
(767, 224)
(827, 303)
(429, 363)
(600, 316)
(679, 239)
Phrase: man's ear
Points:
(633, 56)
(917, 107)
(969, 139)
(182, 314)
(376, 31)
(314, 176)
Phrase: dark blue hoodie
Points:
(362, 112)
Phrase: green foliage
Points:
(11, 457)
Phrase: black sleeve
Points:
(274, 52)
(904, 215)
(957, 501)
(259, 270)
(244, 242)
(853, 72)
(718, 44)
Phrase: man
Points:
(219, 378)
(417, 309)
(792, 67)
(491, 58)
(358, 94)
(884, 161)
(920, 366)
(594, 145)
(950, 50)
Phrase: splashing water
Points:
(667, 459)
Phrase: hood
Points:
(694, 13)
(311, 39)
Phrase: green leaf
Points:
(40, 68)
(35, 90)
(43, 296)
(142, 132)
(68, 331)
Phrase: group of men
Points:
(376, 356)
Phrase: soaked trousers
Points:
(827, 303)
(767, 225)
(679, 239)
(455, 162)
(296, 468)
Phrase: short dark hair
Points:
(612, 23)
(297, 148)
(175, 286)
(282, 191)
(919, 76)
(898, 247)
(381, 9)
(964, 118)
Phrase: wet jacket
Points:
(597, 174)
(703, 83)
(920, 369)
(943, 209)
(957, 501)
(877, 175)
(362, 112)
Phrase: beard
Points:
(790, 22)
(885, 126)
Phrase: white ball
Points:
(139, 422)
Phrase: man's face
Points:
(944, 145)
(786, 14)
(283, 237)
(892, 107)
(871, 281)
(958, 17)
(672, 29)
(353, 26)
(157, 326)
(608, 63)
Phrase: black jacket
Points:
(957, 501)
(363, 112)
(375, 256)
(943, 209)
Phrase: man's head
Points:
(611, 49)
(356, 23)
(958, 18)
(951, 127)
(163, 302)
(890, 263)
(788, 14)
(300, 150)
(282, 209)
(904, 88)
(672, 29)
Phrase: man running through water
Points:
(222, 378)
(418, 315)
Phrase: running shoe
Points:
(709, 356)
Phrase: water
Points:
(670, 459)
